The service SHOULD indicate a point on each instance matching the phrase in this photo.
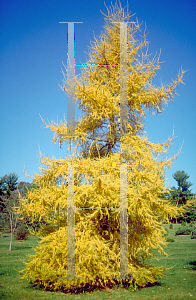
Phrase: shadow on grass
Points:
(33, 286)
(153, 284)
(193, 265)
(85, 289)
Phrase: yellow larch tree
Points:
(97, 172)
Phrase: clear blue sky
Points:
(33, 46)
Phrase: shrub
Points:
(184, 230)
(189, 215)
(170, 240)
(193, 236)
(4, 222)
(193, 227)
(21, 232)
(193, 264)
(183, 223)
(171, 226)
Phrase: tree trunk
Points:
(12, 229)
(11, 241)
(11, 232)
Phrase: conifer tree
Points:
(182, 193)
(8, 202)
(97, 172)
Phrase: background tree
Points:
(11, 203)
(182, 194)
(9, 189)
(8, 184)
(9, 200)
(97, 172)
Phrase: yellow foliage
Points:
(97, 175)
(97, 231)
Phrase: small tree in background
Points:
(9, 201)
(21, 232)
(8, 184)
(181, 195)
(10, 219)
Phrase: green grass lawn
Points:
(179, 282)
